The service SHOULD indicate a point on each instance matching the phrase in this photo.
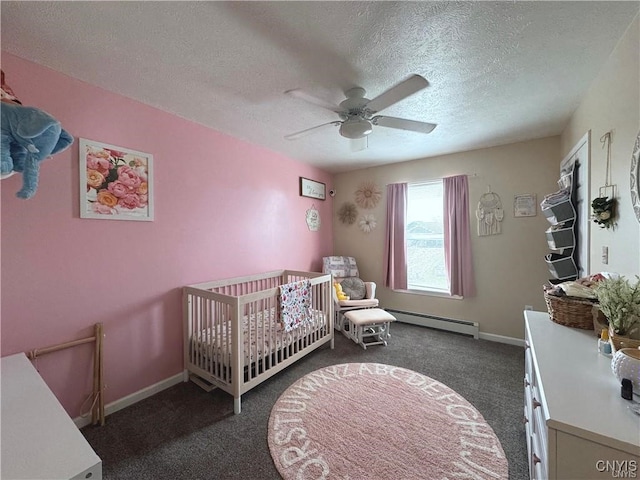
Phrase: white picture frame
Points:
(525, 205)
(116, 183)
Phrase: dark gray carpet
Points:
(186, 433)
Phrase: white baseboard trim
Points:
(439, 323)
(452, 325)
(135, 397)
(492, 337)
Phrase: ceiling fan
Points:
(357, 113)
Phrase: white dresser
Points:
(577, 424)
(39, 439)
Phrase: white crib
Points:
(233, 339)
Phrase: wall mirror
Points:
(635, 178)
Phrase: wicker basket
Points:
(570, 311)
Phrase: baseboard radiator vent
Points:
(440, 323)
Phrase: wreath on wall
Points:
(368, 223)
(347, 213)
(368, 195)
(604, 210)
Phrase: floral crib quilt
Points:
(295, 304)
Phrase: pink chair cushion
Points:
(368, 316)
(367, 302)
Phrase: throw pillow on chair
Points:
(354, 288)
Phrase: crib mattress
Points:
(260, 338)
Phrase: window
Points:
(424, 234)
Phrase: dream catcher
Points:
(489, 214)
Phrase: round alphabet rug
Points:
(374, 421)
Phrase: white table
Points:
(39, 439)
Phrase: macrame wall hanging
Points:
(489, 214)
(604, 207)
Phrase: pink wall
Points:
(223, 208)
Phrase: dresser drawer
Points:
(539, 430)
(537, 458)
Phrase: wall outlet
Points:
(528, 307)
(605, 255)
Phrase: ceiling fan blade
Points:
(302, 95)
(359, 144)
(302, 133)
(403, 124)
(398, 92)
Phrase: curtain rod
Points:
(469, 175)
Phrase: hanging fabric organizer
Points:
(489, 214)
(559, 210)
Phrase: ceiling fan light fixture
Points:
(356, 128)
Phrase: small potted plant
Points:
(619, 300)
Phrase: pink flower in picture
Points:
(115, 153)
(118, 188)
(129, 177)
(129, 201)
(99, 163)
(102, 209)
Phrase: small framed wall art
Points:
(116, 183)
(525, 205)
(312, 189)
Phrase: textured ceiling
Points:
(499, 71)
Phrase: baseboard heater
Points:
(440, 323)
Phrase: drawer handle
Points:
(536, 459)
(526, 382)
(525, 420)
(536, 403)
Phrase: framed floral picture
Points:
(116, 183)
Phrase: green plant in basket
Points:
(604, 211)
(620, 301)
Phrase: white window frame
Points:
(412, 288)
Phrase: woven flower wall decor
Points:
(367, 223)
(368, 195)
(347, 213)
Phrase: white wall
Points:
(613, 104)
(510, 268)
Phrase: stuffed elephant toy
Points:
(29, 135)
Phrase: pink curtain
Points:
(395, 251)
(457, 236)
